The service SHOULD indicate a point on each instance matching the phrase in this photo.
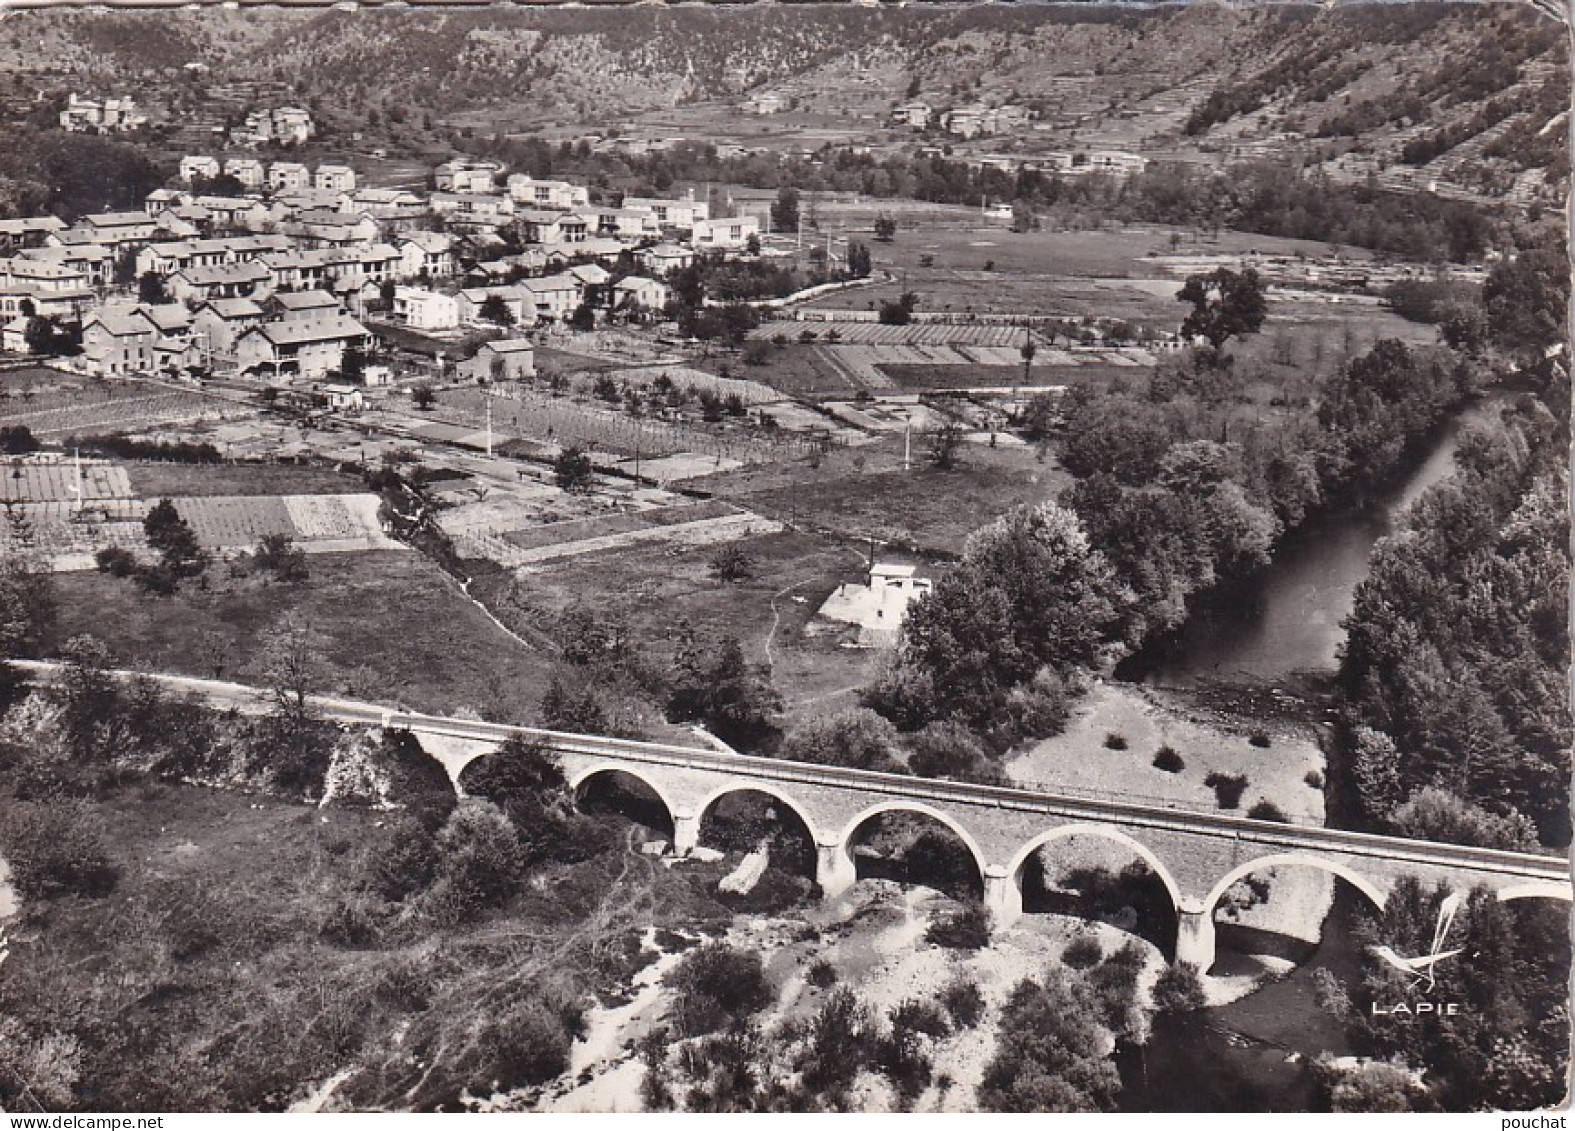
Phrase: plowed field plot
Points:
(59, 482)
(914, 334)
(90, 414)
(577, 530)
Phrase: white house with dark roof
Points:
(195, 167)
(248, 170)
(561, 195)
(283, 175)
(726, 234)
(421, 309)
(425, 253)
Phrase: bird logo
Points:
(1421, 969)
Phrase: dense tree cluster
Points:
(1458, 643)
(1507, 1047)
(1030, 604)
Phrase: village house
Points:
(388, 204)
(665, 258)
(672, 215)
(226, 280)
(553, 227)
(552, 298)
(283, 125)
(472, 208)
(425, 310)
(237, 213)
(334, 178)
(119, 342)
(769, 102)
(729, 234)
(216, 325)
(302, 306)
(314, 228)
(629, 224)
(22, 301)
(304, 348)
(194, 167)
(285, 175)
(560, 195)
(516, 299)
(248, 170)
(466, 176)
(425, 253)
(112, 115)
(914, 114)
(28, 231)
(636, 293)
(161, 199)
(506, 359)
(44, 277)
(97, 264)
(110, 229)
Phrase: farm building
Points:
(507, 359)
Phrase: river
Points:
(1286, 619)
(1252, 1054)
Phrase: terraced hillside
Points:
(1413, 93)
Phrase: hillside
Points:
(1464, 94)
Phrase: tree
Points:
(731, 563)
(1028, 351)
(716, 686)
(784, 210)
(572, 469)
(172, 537)
(151, 289)
(495, 309)
(1050, 1053)
(859, 262)
(352, 365)
(885, 228)
(1178, 990)
(583, 318)
(718, 986)
(859, 739)
(1225, 304)
(899, 312)
(945, 442)
(279, 555)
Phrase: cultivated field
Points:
(59, 414)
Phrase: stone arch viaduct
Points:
(1196, 855)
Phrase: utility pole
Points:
(907, 442)
(489, 422)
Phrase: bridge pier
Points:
(686, 834)
(834, 869)
(1003, 899)
(1195, 936)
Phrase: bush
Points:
(822, 975)
(529, 1044)
(1178, 989)
(963, 1002)
(1115, 741)
(1227, 788)
(1259, 739)
(1083, 952)
(967, 928)
(1166, 758)
(718, 985)
(479, 864)
(921, 1017)
(1266, 810)
(55, 851)
(115, 561)
(1314, 779)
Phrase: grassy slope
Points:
(390, 627)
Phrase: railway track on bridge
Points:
(1554, 869)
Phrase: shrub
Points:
(529, 1044)
(718, 985)
(967, 928)
(1265, 810)
(479, 863)
(1115, 741)
(963, 1002)
(1083, 952)
(1227, 788)
(921, 1017)
(1166, 758)
(1178, 989)
(1314, 779)
(822, 975)
(55, 851)
(1259, 739)
(115, 561)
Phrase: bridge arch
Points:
(1014, 869)
(844, 850)
(763, 787)
(1294, 859)
(580, 778)
(1537, 891)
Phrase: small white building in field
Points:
(879, 607)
